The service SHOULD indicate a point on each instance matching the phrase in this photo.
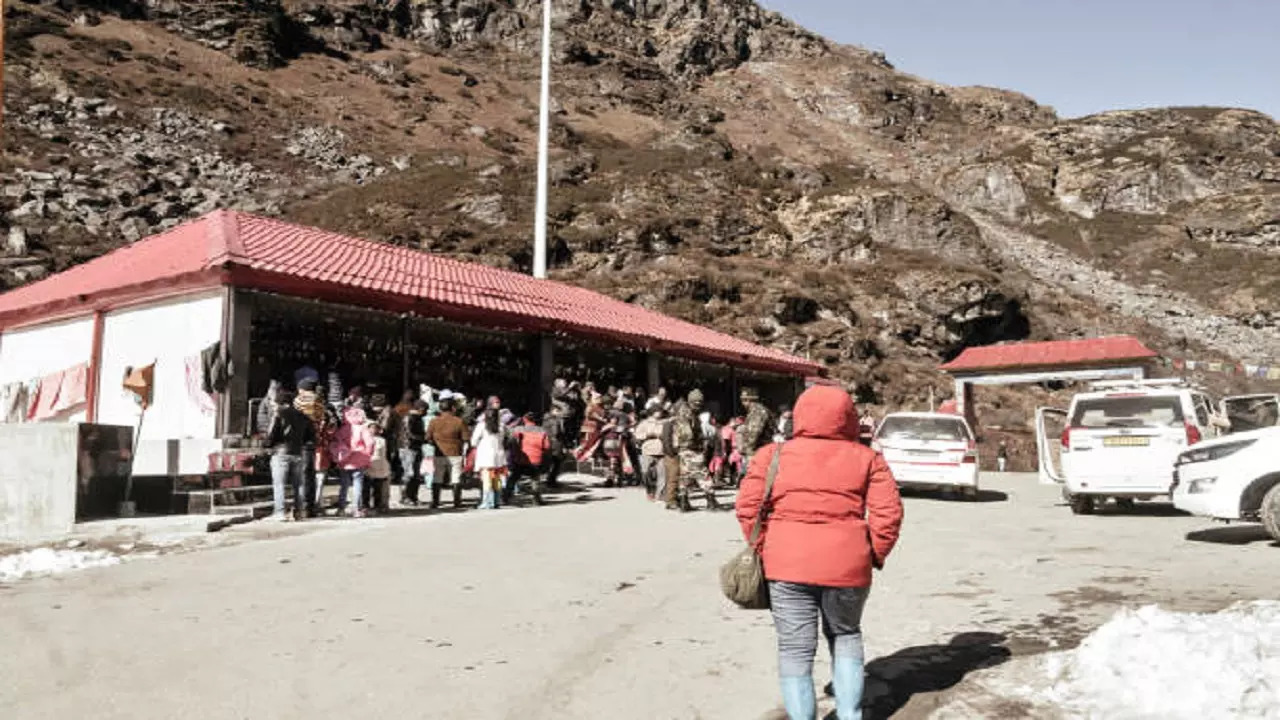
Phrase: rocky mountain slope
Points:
(711, 159)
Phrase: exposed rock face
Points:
(710, 159)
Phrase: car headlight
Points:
(1217, 452)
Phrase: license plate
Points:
(1126, 441)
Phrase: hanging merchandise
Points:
(216, 369)
(58, 392)
(193, 369)
(14, 402)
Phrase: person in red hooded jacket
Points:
(833, 515)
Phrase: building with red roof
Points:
(1116, 357)
(269, 298)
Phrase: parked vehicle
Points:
(930, 450)
(1251, 412)
(1236, 477)
(1120, 439)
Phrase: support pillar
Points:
(237, 329)
(543, 371)
(94, 390)
(653, 373)
(964, 403)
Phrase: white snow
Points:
(1151, 663)
(48, 561)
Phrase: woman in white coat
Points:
(490, 441)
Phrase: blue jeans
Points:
(411, 472)
(353, 480)
(796, 611)
(288, 469)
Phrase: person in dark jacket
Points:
(834, 515)
(413, 433)
(292, 434)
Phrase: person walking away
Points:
(691, 446)
(670, 464)
(352, 451)
(531, 457)
(290, 436)
(310, 402)
(378, 476)
(649, 436)
(413, 432)
(1002, 456)
(556, 426)
(490, 442)
(834, 514)
(756, 430)
(448, 435)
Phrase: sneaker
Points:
(278, 517)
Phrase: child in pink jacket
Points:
(352, 451)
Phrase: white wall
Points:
(29, 353)
(165, 333)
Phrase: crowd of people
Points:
(675, 448)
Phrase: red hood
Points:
(826, 412)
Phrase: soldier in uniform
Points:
(691, 446)
(756, 430)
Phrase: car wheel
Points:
(1271, 512)
(971, 494)
(1081, 504)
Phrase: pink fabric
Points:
(352, 446)
(194, 375)
(59, 392)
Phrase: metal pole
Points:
(544, 120)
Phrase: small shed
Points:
(1103, 358)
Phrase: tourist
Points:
(447, 434)
(291, 435)
(310, 402)
(531, 457)
(649, 435)
(352, 450)
(378, 476)
(413, 432)
(834, 514)
(659, 400)
(490, 442)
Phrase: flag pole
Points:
(544, 120)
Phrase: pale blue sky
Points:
(1080, 56)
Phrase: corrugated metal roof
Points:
(270, 254)
(1058, 353)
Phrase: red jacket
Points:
(836, 509)
(534, 445)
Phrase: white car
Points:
(1120, 440)
(1236, 477)
(930, 450)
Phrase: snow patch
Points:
(1151, 663)
(48, 561)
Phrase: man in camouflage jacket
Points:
(691, 446)
(756, 430)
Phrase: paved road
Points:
(603, 607)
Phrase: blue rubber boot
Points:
(848, 678)
(798, 698)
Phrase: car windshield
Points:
(1157, 411)
(924, 428)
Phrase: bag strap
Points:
(766, 501)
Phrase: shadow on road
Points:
(1231, 535)
(984, 496)
(893, 680)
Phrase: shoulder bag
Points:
(742, 578)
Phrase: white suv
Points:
(1236, 477)
(930, 450)
(1121, 438)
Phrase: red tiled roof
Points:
(244, 250)
(1058, 353)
